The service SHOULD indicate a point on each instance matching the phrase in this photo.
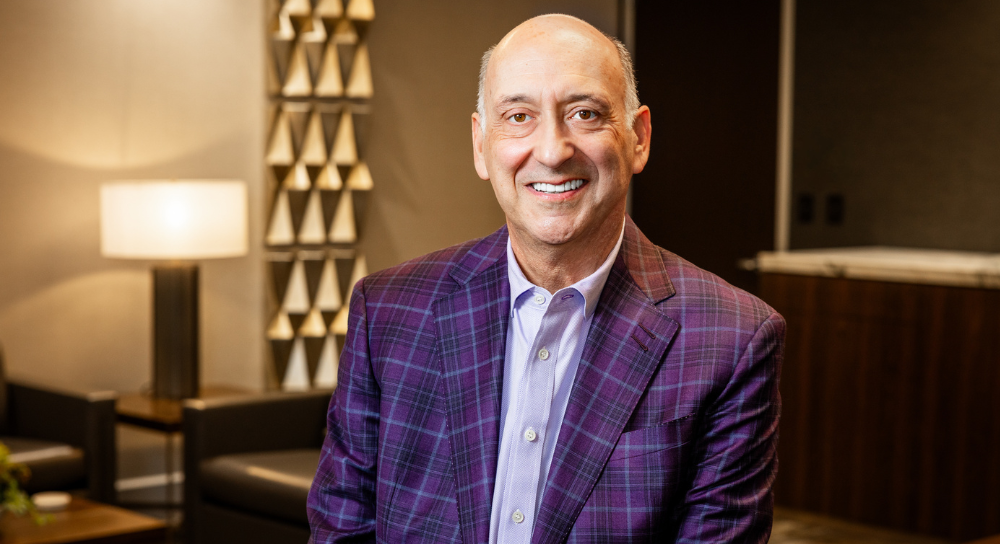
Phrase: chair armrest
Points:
(82, 419)
(263, 422)
(268, 421)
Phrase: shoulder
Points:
(703, 298)
(428, 277)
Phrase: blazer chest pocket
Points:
(666, 436)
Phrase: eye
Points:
(585, 115)
(519, 117)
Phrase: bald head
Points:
(569, 32)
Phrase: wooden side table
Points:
(84, 522)
(166, 416)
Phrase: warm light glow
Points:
(187, 219)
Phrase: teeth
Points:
(561, 188)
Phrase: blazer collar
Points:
(641, 258)
(483, 254)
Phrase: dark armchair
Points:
(248, 466)
(66, 438)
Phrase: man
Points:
(562, 379)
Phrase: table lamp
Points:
(176, 223)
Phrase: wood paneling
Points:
(890, 412)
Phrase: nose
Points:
(554, 146)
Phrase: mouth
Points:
(553, 189)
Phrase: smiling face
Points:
(556, 142)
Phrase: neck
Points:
(553, 267)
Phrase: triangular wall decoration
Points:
(345, 151)
(330, 9)
(298, 82)
(297, 178)
(328, 298)
(359, 85)
(330, 81)
(314, 350)
(328, 179)
(298, 120)
(280, 266)
(345, 40)
(313, 326)
(329, 361)
(344, 33)
(312, 262)
(319, 78)
(360, 182)
(297, 297)
(360, 270)
(345, 269)
(361, 10)
(281, 232)
(275, 74)
(297, 8)
(297, 375)
(313, 230)
(339, 325)
(343, 230)
(314, 42)
(314, 145)
(282, 28)
(280, 150)
(280, 350)
(280, 328)
(297, 201)
(361, 119)
(360, 178)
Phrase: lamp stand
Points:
(175, 330)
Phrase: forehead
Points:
(539, 63)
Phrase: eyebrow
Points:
(579, 97)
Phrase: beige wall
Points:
(96, 90)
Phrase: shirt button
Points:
(530, 435)
(543, 354)
(539, 299)
(517, 516)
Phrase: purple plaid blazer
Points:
(669, 434)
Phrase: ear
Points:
(643, 130)
(477, 148)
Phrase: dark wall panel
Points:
(709, 73)
(897, 109)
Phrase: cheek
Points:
(508, 153)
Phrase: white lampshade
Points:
(183, 219)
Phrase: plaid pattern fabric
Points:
(669, 434)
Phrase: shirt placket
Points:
(529, 433)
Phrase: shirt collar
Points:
(590, 287)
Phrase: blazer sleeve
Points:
(341, 505)
(735, 461)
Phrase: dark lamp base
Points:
(175, 331)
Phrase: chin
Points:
(555, 236)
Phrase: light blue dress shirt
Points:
(545, 339)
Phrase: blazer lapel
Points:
(628, 340)
(472, 333)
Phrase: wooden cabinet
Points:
(891, 402)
